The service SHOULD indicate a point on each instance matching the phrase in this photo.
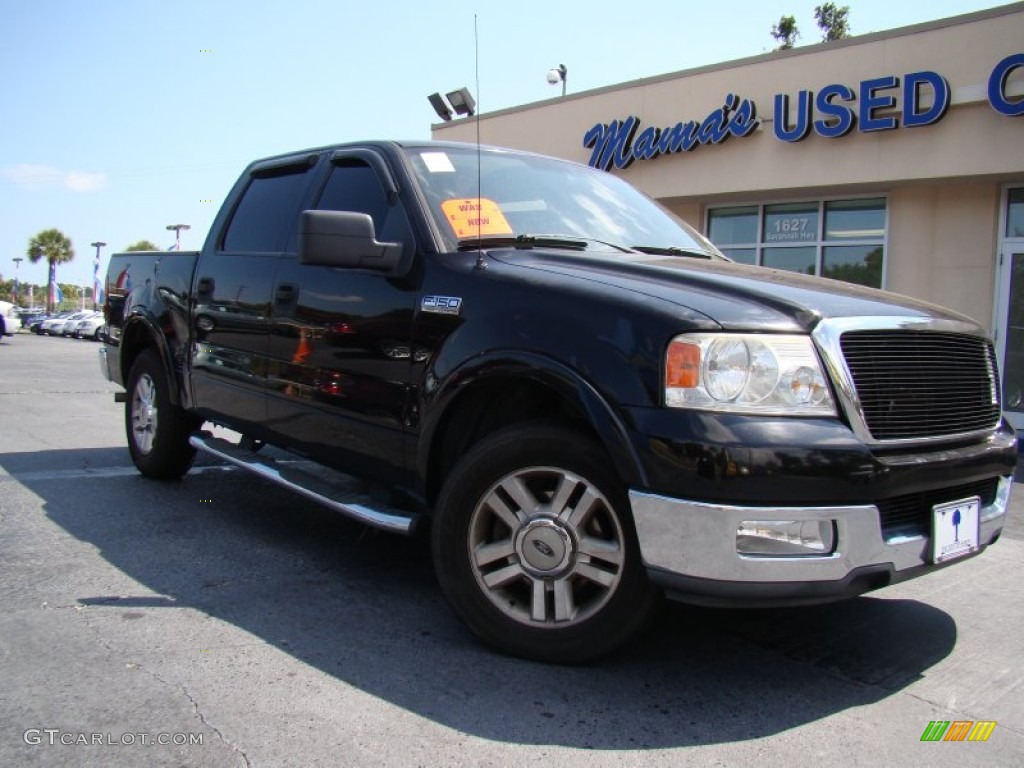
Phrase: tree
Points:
(56, 248)
(785, 32)
(832, 21)
(143, 245)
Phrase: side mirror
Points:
(344, 239)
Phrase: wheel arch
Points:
(140, 334)
(498, 391)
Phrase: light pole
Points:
(96, 274)
(558, 75)
(177, 233)
(17, 290)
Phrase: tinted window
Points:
(267, 214)
(354, 186)
(791, 223)
(792, 259)
(855, 219)
(860, 264)
(728, 226)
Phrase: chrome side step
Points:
(336, 491)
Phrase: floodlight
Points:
(440, 107)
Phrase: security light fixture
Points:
(462, 102)
(557, 75)
(440, 107)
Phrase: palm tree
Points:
(56, 248)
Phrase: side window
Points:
(267, 213)
(354, 186)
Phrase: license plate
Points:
(955, 529)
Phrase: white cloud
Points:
(85, 181)
(31, 176)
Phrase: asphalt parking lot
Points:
(222, 621)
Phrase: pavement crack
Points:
(197, 711)
(202, 718)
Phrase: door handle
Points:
(204, 285)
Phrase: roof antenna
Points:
(479, 184)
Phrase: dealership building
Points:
(893, 159)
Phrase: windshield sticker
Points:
(469, 218)
(437, 162)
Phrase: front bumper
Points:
(690, 549)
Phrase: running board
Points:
(344, 495)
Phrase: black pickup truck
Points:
(589, 404)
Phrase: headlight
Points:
(747, 373)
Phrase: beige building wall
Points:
(943, 181)
(943, 245)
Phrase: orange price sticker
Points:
(469, 217)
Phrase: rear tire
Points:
(157, 430)
(534, 547)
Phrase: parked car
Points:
(35, 324)
(54, 324)
(6, 319)
(72, 322)
(89, 327)
(29, 316)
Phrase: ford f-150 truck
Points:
(587, 402)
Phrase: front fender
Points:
(569, 385)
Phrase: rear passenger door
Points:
(342, 338)
(233, 290)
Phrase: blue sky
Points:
(120, 118)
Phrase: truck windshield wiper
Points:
(672, 250)
(572, 242)
(522, 241)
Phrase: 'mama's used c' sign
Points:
(833, 111)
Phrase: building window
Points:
(1014, 213)
(841, 239)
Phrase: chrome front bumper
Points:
(692, 543)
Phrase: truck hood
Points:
(736, 296)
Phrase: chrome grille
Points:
(922, 384)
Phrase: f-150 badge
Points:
(442, 305)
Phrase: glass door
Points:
(1009, 319)
(1010, 331)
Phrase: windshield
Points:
(529, 197)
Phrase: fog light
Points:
(785, 538)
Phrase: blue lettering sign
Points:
(744, 120)
(613, 143)
(780, 118)
(646, 145)
(997, 86)
(680, 137)
(843, 117)
(913, 115)
(869, 103)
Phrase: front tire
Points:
(157, 430)
(535, 550)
